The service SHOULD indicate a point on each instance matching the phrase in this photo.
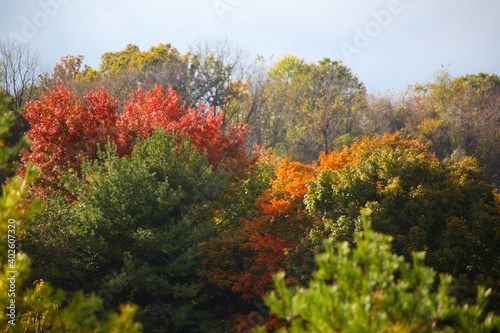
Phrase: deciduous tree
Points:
(446, 209)
(241, 264)
(459, 117)
(20, 69)
(65, 130)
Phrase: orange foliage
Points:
(363, 148)
(245, 263)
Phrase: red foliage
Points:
(144, 113)
(65, 130)
(245, 262)
(282, 219)
(268, 257)
(262, 242)
(247, 323)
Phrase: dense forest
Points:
(206, 192)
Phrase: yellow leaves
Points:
(41, 304)
(360, 150)
(496, 196)
(392, 188)
(124, 321)
(428, 127)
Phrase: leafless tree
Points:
(19, 64)
(220, 63)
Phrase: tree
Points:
(66, 130)
(284, 91)
(142, 114)
(12, 140)
(370, 289)
(385, 114)
(334, 101)
(308, 108)
(219, 65)
(70, 72)
(239, 264)
(458, 117)
(41, 308)
(245, 102)
(123, 72)
(20, 66)
(446, 209)
(136, 230)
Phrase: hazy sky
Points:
(387, 44)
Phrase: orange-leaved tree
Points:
(444, 208)
(242, 264)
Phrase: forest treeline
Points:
(295, 108)
(163, 191)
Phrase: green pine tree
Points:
(370, 289)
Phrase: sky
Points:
(387, 44)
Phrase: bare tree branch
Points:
(19, 64)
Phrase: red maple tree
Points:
(145, 112)
(67, 129)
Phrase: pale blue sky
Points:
(386, 43)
